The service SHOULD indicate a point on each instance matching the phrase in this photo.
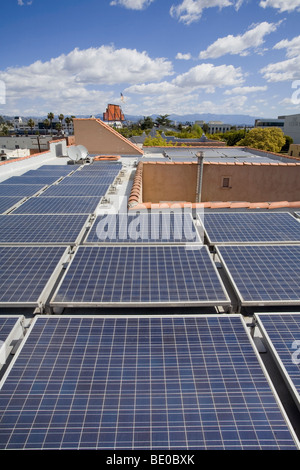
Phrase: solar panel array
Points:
(140, 383)
(282, 334)
(154, 227)
(36, 223)
(264, 274)
(41, 229)
(140, 275)
(249, 227)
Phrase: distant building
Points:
(215, 127)
(269, 123)
(114, 115)
(292, 127)
(294, 150)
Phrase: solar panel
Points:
(7, 203)
(282, 335)
(140, 383)
(23, 190)
(140, 276)
(59, 205)
(59, 190)
(263, 274)
(249, 227)
(39, 172)
(144, 227)
(41, 180)
(42, 229)
(62, 168)
(87, 180)
(25, 272)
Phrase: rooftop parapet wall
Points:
(250, 184)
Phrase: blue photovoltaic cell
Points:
(87, 180)
(59, 205)
(6, 326)
(59, 190)
(8, 202)
(282, 332)
(61, 168)
(141, 275)
(52, 173)
(42, 180)
(143, 227)
(268, 274)
(25, 271)
(41, 228)
(240, 227)
(140, 383)
(13, 190)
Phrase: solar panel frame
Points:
(117, 277)
(59, 205)
(42, 229)
(8, 203)
(154, 228)
(11, 329)
(23, 267)
(130, 383)
(281, 333)
(246, 228)
(242, 279)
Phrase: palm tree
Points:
(68, 121)
(58, 127)
(31, 124)
(50, 117)
(61, 118)
(46, 123)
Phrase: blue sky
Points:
(165, 56)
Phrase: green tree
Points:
(271, 139)
(61, 117)
(146, 123)
(46, 123)
(50, 117)
(58, 127)
(288, 142)
(68, 121)
(162, 120)
(157, 141)
(31, 124)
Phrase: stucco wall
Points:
(100, 139)
(248, 182)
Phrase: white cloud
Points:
(286, 69)
(181, 56)
(239, 44)
(292, 47)
(282, 71)
(209, 76)
(74, 79)
(132, 4)
(189, 11)
(245, 90)
(281, 5)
